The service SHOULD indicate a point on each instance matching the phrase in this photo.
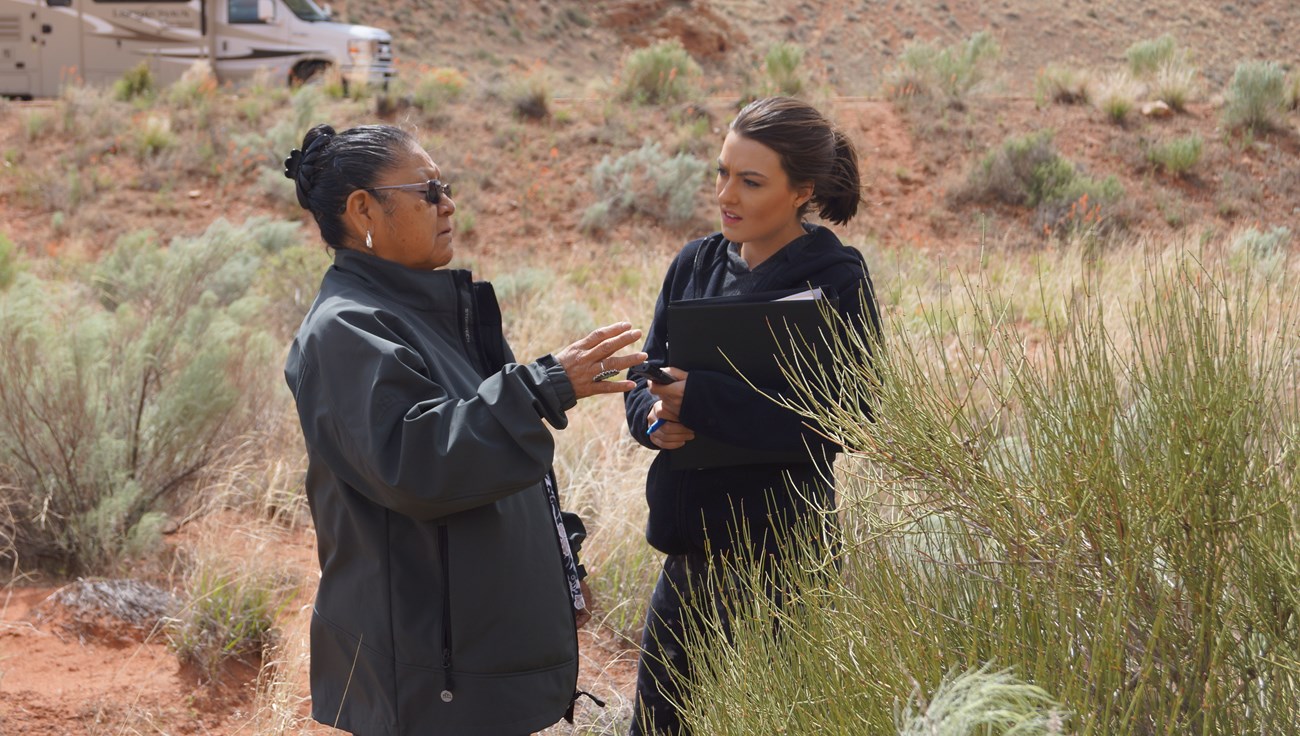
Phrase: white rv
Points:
(45, 42)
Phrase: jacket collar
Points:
(434, 291)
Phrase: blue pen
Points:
(656, 425)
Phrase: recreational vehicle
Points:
(45, 42)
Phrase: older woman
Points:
(449, 593)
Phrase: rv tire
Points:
(306, 71)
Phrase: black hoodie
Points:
(698, 510)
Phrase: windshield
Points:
(306, 10)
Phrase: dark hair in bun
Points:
(330, 166)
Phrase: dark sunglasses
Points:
(433, 189)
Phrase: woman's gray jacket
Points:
(443, 606)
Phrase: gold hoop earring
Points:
(370, 243)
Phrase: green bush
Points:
(1178, 156)
(784, 67)
(659, 74)
(136, 82)
(646, 182)
(8, 261)
(120, 391)
(949, 73)
(1028, 171)
(1256, 96)
(437, 87)
(1146, 57)
(1114, 507)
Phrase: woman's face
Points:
(758, 204)
(409, 230)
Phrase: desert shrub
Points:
(783, 65)
(529, 96)
(646, 182)
(659, 74)
(1293, 91)
(197, 86)
(1116, 96)
(1112, 507)
(153, 136)
(8, 261)
(1177, 156)
(230, 614)
(948, 73)
(1027, 170)
(1146, 57)
(1060, 84)
(1263, 253)
(37, 124)
(1256, 96)
(122, 388)
(437, 87)
(136, 82)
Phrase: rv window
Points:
(59, 3)
(243, 11)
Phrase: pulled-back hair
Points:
(330, 166)
(811, 149)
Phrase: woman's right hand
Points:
(585, 359)
(672, 434)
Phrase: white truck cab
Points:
(44, 43)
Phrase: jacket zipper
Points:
(449, 684)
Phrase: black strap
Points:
(568, 714)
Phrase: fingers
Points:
(607, 332)
(671, 435)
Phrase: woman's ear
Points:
(802, 194)
(361, 213)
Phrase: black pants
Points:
(680, 597)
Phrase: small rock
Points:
(194, 194)
(1157, 109)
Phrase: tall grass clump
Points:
(229, 614)
(1106, 510)
(529, 96)
(944, 73)
(659, 74)
(1064, 85)
(1256, 96)
(1116, 96)
(645, 182)
(122, 388)
(1165, 69)
(1178, 156)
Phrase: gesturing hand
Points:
(588, 357)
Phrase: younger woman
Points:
(781, 158)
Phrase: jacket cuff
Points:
(559, 382)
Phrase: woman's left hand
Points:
(671, 393)
(586, 359)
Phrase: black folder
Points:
(745, 336)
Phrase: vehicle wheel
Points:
(307, 71)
